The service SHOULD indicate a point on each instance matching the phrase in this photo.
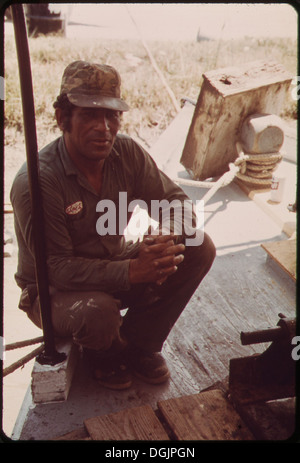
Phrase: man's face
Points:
(92, 133)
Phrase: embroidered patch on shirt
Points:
(74, 208)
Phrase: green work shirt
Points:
(78, 258)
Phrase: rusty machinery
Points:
(270, 375)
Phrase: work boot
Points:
(110, 371)
(150, 367)
(113, 374)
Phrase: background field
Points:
(182, 64)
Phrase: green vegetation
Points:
(182, 64)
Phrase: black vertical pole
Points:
(50, 354)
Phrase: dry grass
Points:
(182, 64)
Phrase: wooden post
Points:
(227, 97)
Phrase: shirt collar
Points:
(69, 166)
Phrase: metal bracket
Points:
(269, 375)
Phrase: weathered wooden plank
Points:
(226, 98)
(284, 254)
(204, 416)
(139, 423)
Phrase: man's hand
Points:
(158, 258)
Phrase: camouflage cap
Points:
(93, 85)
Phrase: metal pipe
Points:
(256, 337)
(21, 362)
(285, 330)
(19, 344)
(50, 355)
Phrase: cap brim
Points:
(96, 101)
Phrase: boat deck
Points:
(244, 291)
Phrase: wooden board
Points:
(226, 98)
(138, 423)
(204, 416)
(284, 254)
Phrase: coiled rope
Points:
(255, 169)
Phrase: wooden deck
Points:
(244, 291)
